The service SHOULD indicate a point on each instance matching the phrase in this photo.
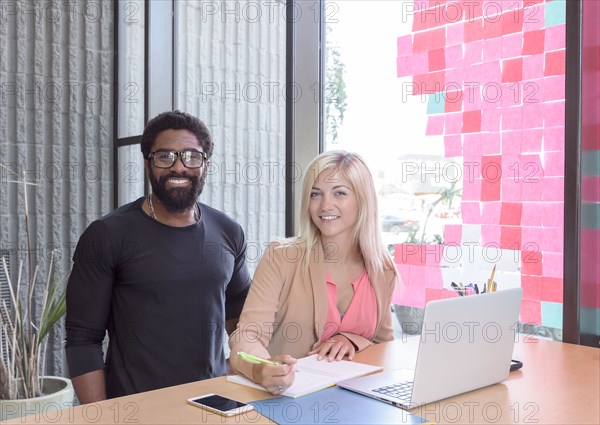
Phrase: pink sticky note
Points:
(530, 168)
(533, 114)
(473, 30)
(490, 119)
(554, 88)
(554, 138)
(429, 39)
(471, 122)
(510, 94)
(553, 214)
(555, 37)
(554, 114)
(437, 60)
(471, 100)
(452, 233)
(553, 264)
(453, 123)
(490, 212)
(553, 239)
(554, 164)
(490, 235)
(472, 144)
(432, 294)
(533, 67)
(433, 277)
(552, 290)
(512, 70)
(473, 52)
(510, 213)
(532, 213)
(404, 44)
(533, 42)
(532, 287)
(531, 262)
(435, 125)
(490, 143)
(491, 168)
(511, 142)
(553, 188)
(555, 63)
(531, 312)
(470, 212)
(512, 22)
(532, 92)
(453, 101)
(531, 140)
(455, 77)
(512, 45)
(432, 254)
(412, 296)
(471, 189)
(429, 83)
(512, 118)
(491, 72)
(412, 65)
(533, 16)
(531, 237)
(511, 190)
(510, 237)
(490, 191)
(453, 56)
(455, 34)
(418, 275)
(492, 49)
(531, 190)
(492, 23)
(452, 146)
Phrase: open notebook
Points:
(314, 375)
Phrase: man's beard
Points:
(178, 199)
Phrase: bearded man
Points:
(165, 275)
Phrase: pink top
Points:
(360, 317)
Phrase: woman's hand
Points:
(335, 348)
(275, 378)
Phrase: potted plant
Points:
(34, 307)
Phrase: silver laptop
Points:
(466, 343)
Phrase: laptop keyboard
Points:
(401, 390)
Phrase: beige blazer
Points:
(285, 311)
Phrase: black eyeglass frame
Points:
(177, 154)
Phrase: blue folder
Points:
(333, 406)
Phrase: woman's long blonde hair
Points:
(367, 234)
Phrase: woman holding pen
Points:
(326, 292)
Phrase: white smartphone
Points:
(219, 404)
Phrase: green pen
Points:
(250, 358)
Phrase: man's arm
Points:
(90, 387)
(230, 325)
(89, 294)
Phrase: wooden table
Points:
(559, 384)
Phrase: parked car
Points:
(396, 225)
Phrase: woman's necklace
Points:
(153, 213)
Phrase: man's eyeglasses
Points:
(166, 159)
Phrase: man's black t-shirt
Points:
(163, 293)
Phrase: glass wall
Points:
(590, 180)
(458, 107)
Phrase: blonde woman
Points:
(327, 291)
